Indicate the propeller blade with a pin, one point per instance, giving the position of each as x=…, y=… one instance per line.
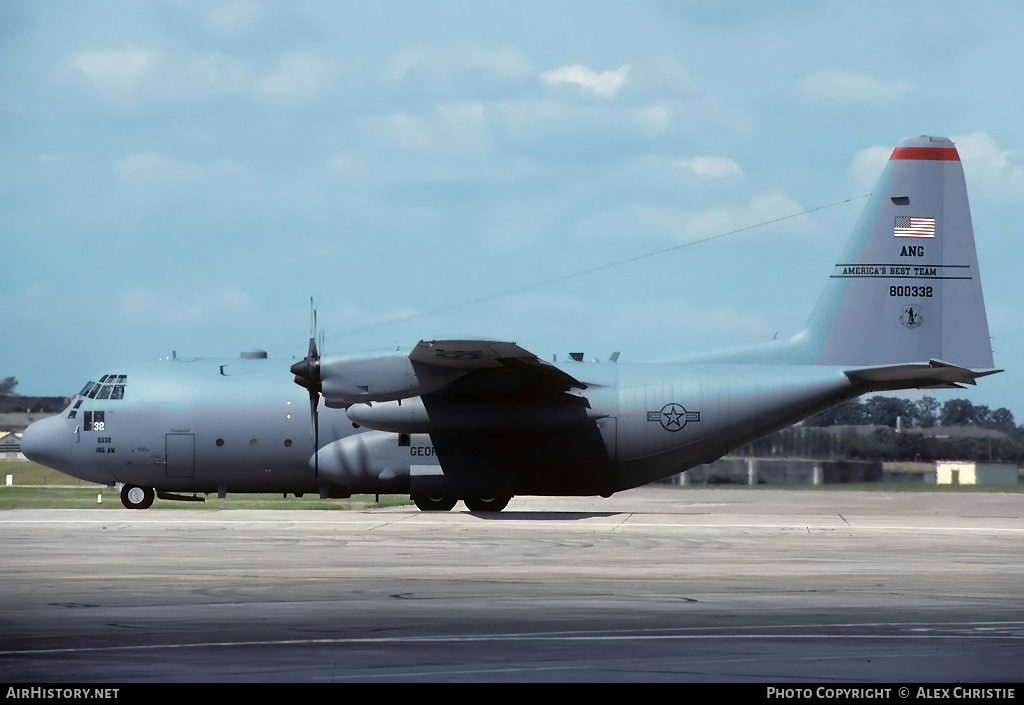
x=307, y=374
x=314, y=401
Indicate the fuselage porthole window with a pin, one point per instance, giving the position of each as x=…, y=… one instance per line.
x=287, y=442
x=220, y=442
x=253, y=443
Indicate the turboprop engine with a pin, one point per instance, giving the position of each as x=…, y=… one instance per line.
x=375, y=459
x=388, y=463
x=459, y=415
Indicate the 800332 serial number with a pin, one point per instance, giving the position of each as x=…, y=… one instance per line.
x=921, y=291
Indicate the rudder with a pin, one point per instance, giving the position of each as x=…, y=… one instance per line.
x=907, y=287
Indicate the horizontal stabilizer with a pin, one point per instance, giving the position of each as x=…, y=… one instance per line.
x=933, y=374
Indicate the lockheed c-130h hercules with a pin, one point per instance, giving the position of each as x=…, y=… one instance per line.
x=481, y=421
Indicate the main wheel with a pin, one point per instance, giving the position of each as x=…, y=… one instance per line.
x=434, y=504
x=135, y=497
x=487, y=504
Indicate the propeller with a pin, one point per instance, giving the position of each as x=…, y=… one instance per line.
x=307, y=374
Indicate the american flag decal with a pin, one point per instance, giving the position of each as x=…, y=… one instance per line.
x=914, y=227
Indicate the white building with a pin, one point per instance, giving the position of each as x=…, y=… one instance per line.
x=959, y=472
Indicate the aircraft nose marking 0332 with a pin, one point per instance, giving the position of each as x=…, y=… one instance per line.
x=673, y=417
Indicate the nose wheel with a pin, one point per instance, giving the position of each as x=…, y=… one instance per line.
x=135, y=497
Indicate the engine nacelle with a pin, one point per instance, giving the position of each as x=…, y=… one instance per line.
x=380, y=379
x=374, y=460
x=467, y=416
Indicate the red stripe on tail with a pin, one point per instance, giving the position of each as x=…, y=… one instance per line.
x=935, y=154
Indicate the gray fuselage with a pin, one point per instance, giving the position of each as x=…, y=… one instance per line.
x=189, y=426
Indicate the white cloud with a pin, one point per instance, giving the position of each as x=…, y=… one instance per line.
x=459, y=128
x=867, y=166
x=153, y=164
x=711, y=167
x=115, y=70
x=850, y=87
x=713, y=326
x=177, y=308
x=233, y=16
x=441, y=63
x=761, y=210
x=212, y=73
x=654, y=119
x=682, y=226
x=989, y=165
x=142, y=73
x=143, y=165
x=605, y=84
x=296, y=75
x=345, y=165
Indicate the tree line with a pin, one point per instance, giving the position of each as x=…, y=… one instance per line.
x=923, y=413
x=815, y=439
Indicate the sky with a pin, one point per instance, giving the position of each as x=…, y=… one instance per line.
x=185, y=176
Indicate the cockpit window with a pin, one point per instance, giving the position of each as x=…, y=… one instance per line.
x=109, y=387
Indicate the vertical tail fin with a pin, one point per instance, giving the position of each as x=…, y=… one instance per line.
x=906, y=288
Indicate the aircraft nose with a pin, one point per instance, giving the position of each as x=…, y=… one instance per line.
x=49, y=442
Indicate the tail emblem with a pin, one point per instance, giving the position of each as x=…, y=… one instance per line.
x=911, y=317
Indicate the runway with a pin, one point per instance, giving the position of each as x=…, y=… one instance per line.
x=649, y=585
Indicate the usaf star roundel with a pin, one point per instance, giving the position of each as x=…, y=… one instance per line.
x=673, y=416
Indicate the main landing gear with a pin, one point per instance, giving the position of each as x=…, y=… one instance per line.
x=474, y=504
x=135, y=497
x=487, y=504
x=434, y=504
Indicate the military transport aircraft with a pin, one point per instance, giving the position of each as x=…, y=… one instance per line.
x=481, y=420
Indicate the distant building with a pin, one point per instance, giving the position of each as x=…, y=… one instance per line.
x=948, y=472
x=10, y=445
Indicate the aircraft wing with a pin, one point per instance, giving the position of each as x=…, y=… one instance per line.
x=477, y=368
x=473, y=355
